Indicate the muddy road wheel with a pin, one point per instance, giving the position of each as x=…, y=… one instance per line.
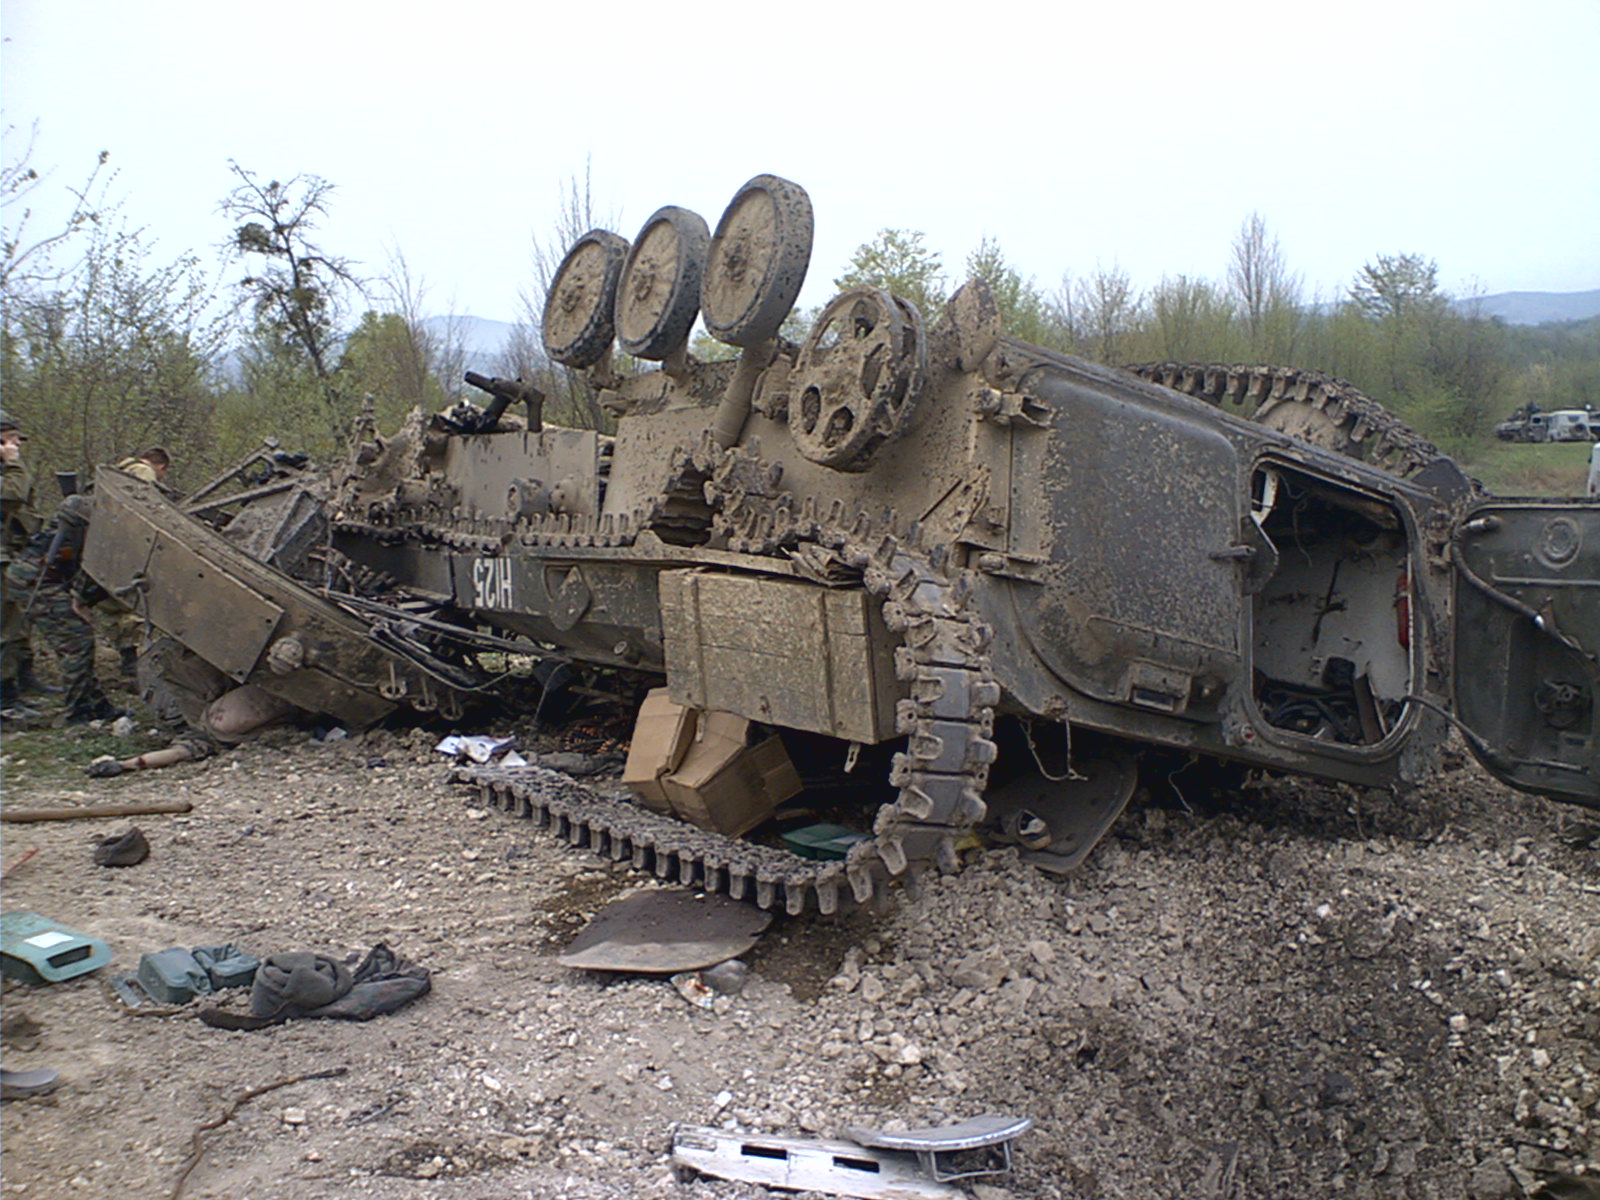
x=578, y=311
x=857, y=378
x=659, y=295
x=758, y=261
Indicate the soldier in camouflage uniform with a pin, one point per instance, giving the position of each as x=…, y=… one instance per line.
x=43, y=576
x=18, y=523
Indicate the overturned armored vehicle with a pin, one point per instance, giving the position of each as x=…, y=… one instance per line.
x=995, y=576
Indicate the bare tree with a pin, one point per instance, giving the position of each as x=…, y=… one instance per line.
x=439, y=350
x=297, y=290
x=1107, y=305
x=1265, y=293
x=572, y=399
x=30, y=262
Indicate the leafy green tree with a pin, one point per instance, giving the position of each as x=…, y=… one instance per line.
x=1191, y=321
x=1024, y=311
x=387, y=357
x=899, y=262
x=105, y=348
x=1398, y=296
x=1396, y=286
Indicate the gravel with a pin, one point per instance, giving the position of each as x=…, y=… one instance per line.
x=1295, y=990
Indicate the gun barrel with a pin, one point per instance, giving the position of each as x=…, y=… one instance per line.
x=505, y=393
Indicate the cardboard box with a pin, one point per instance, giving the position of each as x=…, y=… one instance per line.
x=662, y=734
x=726, y=785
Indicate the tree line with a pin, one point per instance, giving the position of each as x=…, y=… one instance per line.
x=1435, y=359
x=108, y=348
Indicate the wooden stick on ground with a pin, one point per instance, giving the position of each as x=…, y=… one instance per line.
x=95, y=810
x=218, y=1121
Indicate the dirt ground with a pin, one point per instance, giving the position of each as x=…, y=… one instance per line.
x=1295, y=991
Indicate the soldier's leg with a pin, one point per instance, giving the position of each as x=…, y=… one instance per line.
x=16, y=641
x=72, y=639
x=13, y=640
x=17, y=653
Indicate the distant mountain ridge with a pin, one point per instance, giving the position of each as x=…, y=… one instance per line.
x=483, y=340
x=1535, y=308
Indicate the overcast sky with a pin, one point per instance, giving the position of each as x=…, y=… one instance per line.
x=1080, y=136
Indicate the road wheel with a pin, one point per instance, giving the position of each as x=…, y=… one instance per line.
x=579, y=308
x=758, y=261
x=857, y=378
x=659, y=295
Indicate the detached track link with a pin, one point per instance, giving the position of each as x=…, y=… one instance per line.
x=947, y=719
x=1364, y=428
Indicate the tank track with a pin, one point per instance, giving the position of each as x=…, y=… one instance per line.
x=947, y=719
x=1363, y=428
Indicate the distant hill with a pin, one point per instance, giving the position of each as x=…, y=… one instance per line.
x=483, y=339
x=1536, y=308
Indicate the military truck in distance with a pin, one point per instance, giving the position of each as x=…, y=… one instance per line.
x=999, y=575
x=1563, y=425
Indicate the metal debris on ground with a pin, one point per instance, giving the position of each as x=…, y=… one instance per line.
x=805, y=1164
x=979, y=1146
x=478, y=748
x=663, y=931
x=694, y=989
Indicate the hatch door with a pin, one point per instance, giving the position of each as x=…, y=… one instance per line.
x=1527, y=643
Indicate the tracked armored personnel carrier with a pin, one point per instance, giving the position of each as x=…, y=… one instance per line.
x=984, y=577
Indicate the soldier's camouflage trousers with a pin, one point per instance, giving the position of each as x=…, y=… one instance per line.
x=72, y=639
x=15, y=653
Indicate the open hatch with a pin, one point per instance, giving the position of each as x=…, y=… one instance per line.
x=1331, y=619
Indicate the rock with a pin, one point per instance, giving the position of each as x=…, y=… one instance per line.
x=981, y=971
x=1491, y=1181
x=1094, y=993
x=726, y=978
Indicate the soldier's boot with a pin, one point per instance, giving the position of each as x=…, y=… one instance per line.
x=130, y=661
x=95, y=709
x=27, y=681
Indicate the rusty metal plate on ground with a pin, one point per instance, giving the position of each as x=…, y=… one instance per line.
x=662, y=931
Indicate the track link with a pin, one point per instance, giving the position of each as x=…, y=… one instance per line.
x=1356, y=425
x=947, y=719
